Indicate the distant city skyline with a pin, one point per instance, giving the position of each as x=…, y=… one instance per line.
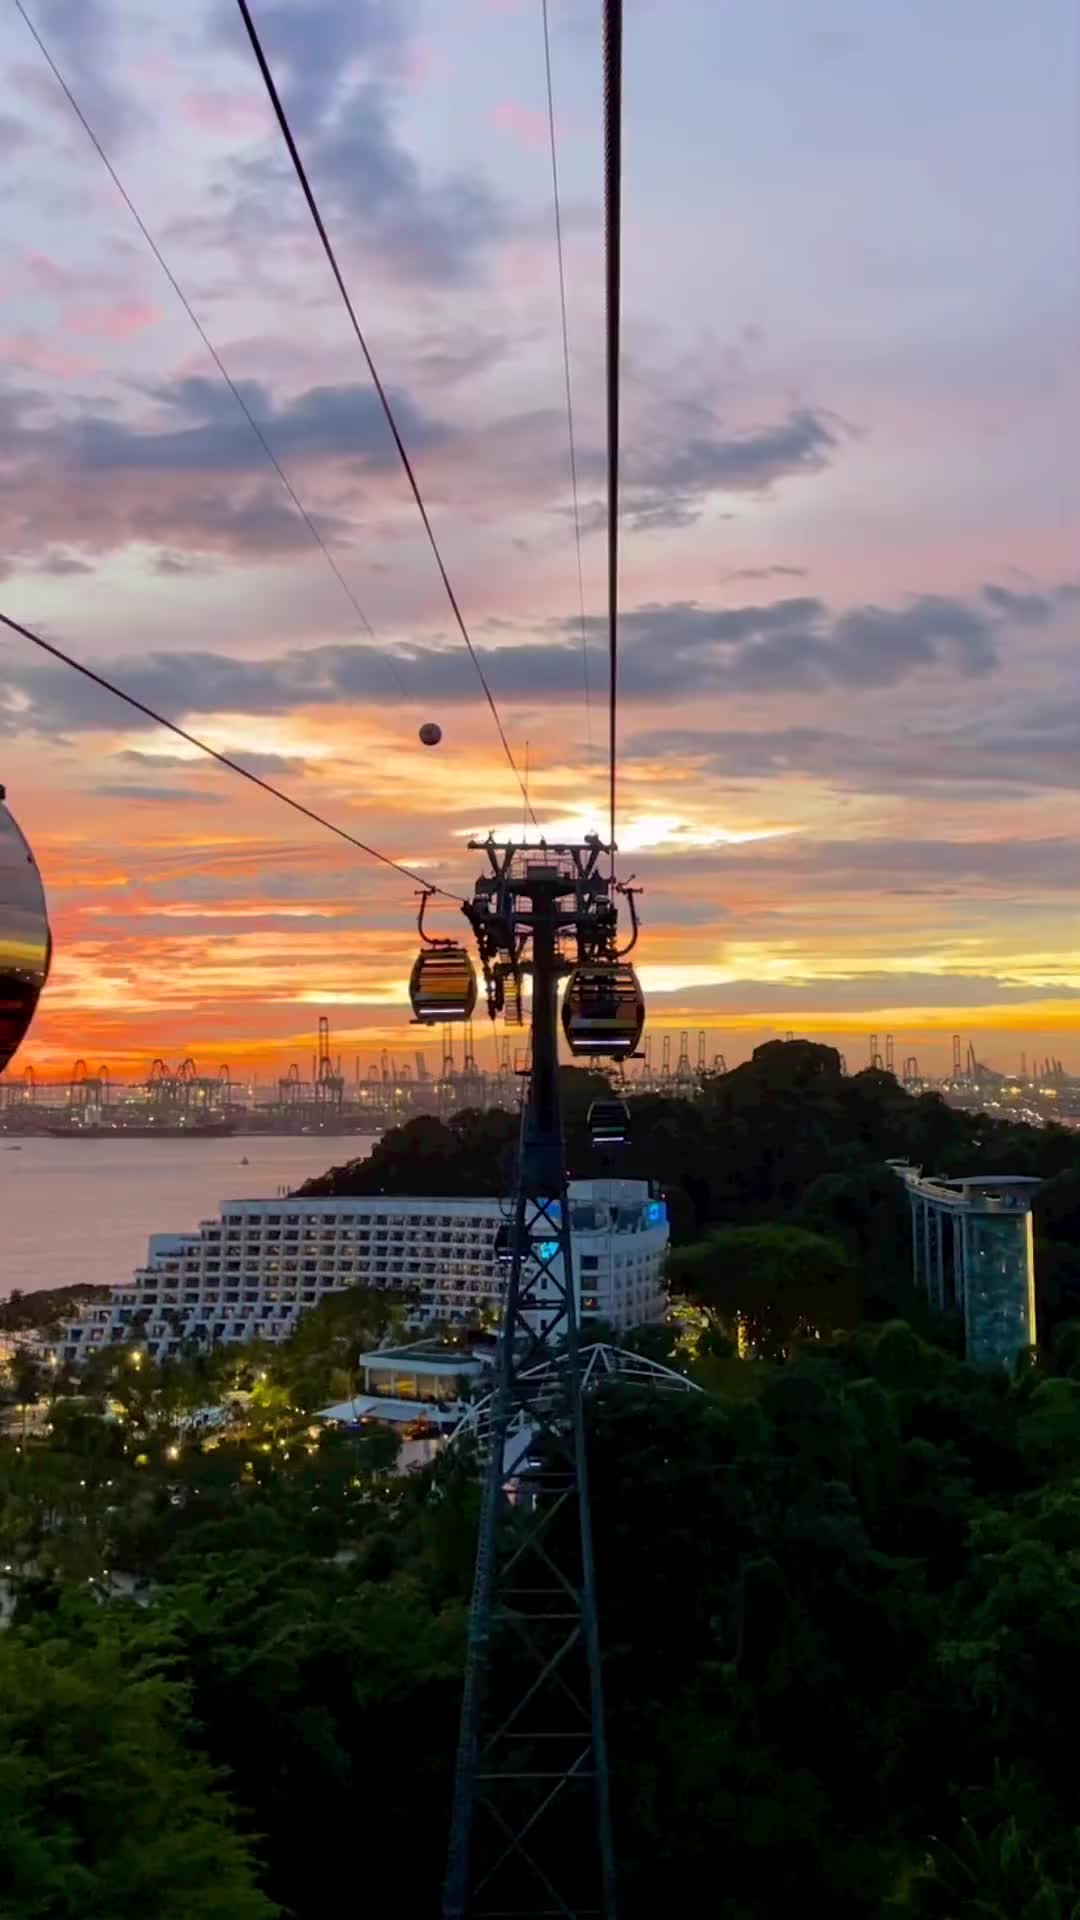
x=849, y=722
x=998, y=1048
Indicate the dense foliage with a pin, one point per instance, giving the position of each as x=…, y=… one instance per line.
x=785, y=1139
x=47, y=1309
x=760, y=1139
x=769, y=1286
x=840, y=1590
x=471, y=1153
x=838, y=1667
x=104, y=1808
x=840, y=1617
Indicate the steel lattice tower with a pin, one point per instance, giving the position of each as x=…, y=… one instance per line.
x=531, y=1828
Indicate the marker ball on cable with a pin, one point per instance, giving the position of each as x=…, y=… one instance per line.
x=430, y=734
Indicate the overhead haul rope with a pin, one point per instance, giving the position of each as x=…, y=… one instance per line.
x=223, y=759
x=613, y=35
x=320, y=228
x=566, y=370
x=215, y=356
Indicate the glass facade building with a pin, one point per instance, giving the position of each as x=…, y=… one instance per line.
x=973, y=1254
x=999, y=1291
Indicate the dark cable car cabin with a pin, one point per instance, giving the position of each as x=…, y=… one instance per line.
x=442, y=985
x=25, y=940
x=609, y=1122
x=603, y=1009
x=504, y=1244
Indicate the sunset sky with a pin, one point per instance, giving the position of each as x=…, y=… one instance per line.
x=850, y=696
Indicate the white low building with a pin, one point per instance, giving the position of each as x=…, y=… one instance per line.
x=422, y=1390
x=254, y=1270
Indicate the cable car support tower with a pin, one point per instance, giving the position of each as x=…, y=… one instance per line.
x=531, y=1827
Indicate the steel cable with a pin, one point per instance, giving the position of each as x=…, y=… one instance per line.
x=613, y=36
x=566, y=370
x=215, y=356
x=223, y=759
x=328, y=249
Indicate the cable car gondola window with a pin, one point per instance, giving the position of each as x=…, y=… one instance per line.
x=603, y=1010
x=25, y=940
x=442, y=985
x=608, y=1123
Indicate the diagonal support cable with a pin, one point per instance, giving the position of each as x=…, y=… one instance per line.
x=384, y=399
x=215, y=356
x=223, y=759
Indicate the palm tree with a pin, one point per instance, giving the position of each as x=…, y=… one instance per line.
x=995, y=1876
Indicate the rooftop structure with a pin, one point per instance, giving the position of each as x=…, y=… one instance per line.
x=422, y=1390
x=430, y=1380
x=448, y=1389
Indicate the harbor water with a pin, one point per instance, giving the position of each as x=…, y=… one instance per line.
x=74, y=1210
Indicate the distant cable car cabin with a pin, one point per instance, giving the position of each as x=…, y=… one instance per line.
x=442, y=985
x=25, y=940
x=603, y=1009
x=609, y=1122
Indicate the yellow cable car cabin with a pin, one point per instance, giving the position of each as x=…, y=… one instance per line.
x=442, y=985
x=603, y=1009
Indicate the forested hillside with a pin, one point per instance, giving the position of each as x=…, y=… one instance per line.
x=786, y=1139
x=839, y=1586
x=839, y=1603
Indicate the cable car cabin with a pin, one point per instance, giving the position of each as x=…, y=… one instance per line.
x=504, y=1244
x=442, y=985
x=603, y=1010
x=25, y=940
x=608, y=1123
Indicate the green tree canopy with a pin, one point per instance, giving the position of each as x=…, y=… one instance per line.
x=105, y=1809
x=772, y=1284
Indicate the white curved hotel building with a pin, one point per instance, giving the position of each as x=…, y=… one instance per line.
x=254, y=1270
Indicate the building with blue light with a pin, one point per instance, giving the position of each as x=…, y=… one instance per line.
x=619, y=1233
x=251, y=1272
x=973, y=1254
